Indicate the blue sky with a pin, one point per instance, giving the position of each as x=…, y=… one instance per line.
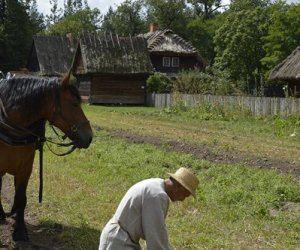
x=102, y=5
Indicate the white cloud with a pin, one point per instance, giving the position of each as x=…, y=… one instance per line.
x=103, y=5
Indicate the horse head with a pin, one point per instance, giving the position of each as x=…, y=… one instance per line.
x=67, y=115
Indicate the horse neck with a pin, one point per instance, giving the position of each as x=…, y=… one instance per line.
x=26, y=119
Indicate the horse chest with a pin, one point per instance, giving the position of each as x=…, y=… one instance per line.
x=16, y=159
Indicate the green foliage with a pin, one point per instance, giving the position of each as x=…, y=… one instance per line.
x=238, y=5
x=283, y=34
x=205, y=8
x=239, y=45
x=159, y=83
x=86, y=20
x=201, y=36
x=73, y=6
x=198, y=82
x=286, y=126
x=169, y=14
x=17, y=28
x=127, y=19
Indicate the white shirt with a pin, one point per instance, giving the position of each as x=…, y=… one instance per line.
x=142, y=213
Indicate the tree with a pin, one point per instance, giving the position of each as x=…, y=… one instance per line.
x=37, y=19
x=239, y=5
x=127, y=19
x=55, y=13
x=238, y=46
x=86, y=20
x=17, y=29
x=169, y=14
x=206, y=8
x=283, y=34
x=72, y=6
x=107, y=23
x=201, y=33
x=2, y=10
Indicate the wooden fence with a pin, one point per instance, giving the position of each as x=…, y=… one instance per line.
x=257, y=105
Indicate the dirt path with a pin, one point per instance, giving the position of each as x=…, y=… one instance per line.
x=213, y=154
x=43, y=238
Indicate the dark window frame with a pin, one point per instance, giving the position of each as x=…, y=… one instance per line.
x=166, y=61
x=175, y=62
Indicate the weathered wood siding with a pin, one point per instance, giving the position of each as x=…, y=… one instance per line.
x=185, y=63
x=257, y=105
x=113, y=89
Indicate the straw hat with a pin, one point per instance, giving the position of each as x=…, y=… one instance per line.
x=187, y=179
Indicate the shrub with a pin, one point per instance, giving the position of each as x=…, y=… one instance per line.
x=197, y=82
x=159, y=83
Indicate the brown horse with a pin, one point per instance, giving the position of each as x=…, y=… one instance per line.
x=26, y=103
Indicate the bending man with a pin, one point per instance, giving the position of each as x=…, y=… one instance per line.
x=142, y=211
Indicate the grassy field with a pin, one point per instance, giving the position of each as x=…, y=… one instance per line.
x=237, y=207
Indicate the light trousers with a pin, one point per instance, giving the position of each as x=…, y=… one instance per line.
x=113, y=237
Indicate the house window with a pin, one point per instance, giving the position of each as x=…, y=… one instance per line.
x=166, y=61
x=175, y=61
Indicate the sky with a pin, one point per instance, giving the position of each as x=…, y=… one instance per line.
x=103, y=5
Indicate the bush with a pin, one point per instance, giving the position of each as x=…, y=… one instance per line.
x=197, y=82
x=159, y=83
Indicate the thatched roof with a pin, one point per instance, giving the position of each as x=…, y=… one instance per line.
x=111, y=54
x=288, y=69
x=167, y=41
x=51, y=55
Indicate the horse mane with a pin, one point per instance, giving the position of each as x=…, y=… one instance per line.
x=26, y=94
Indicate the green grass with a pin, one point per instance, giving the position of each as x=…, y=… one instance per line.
x=254, y=136
x=237, y=207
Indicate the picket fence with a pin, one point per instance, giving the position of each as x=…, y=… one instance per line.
x=257, y=105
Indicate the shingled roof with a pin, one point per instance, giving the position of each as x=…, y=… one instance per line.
x=167, y=41
x=110, y=53
x=51, y=55
x=288, y=69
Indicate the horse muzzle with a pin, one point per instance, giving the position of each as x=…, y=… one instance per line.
x=83, y=139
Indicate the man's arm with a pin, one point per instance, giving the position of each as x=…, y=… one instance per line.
x=154, y=212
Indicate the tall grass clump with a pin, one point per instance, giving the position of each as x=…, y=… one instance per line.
x=208, y=111
x=287, y=125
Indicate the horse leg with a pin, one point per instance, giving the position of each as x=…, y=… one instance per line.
x=2, y=213
x=20, y=201
x=13, y=212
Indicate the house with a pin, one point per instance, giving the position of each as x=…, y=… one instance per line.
x=51, y=55
x=112, y=69
x=169, y=53
x=289, y=71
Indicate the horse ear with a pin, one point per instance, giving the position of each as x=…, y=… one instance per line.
x=66, y=78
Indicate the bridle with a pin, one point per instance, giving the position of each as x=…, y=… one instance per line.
x=73, y=127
